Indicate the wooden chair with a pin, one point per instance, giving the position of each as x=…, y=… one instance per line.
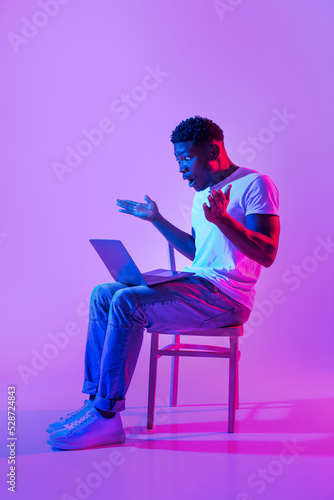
x=177, y=349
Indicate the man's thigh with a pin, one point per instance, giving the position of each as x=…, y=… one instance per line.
x=187, y=304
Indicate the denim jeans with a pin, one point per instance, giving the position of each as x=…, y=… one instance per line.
x=118, y=315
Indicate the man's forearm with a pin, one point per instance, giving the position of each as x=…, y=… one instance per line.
x=183, y=242
x=255, y=245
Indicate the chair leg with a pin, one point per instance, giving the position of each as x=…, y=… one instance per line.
x=174, y=374
x=237, y=383
x=232, y=382
x=152, y=380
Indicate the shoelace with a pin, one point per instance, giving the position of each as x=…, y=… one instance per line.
x=73, y=413
x=82, y=420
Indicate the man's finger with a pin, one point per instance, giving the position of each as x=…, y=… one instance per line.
x=127, y=202
x=227, y=194
x=212, y=200
x=221, y=195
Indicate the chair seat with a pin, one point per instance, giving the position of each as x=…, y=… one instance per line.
x=224, y=331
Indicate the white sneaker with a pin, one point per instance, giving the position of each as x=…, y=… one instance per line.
x=70, y=417
x=90, y=430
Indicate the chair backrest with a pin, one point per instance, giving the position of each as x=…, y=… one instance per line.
x=171, y=257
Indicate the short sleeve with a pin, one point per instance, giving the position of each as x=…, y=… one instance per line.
x=261, y=197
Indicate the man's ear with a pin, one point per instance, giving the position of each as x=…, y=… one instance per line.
x=214, y=152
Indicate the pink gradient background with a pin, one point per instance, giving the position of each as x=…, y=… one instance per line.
x=262, y=55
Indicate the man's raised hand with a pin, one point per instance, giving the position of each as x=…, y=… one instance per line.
x=145, y=211
x=217, y=211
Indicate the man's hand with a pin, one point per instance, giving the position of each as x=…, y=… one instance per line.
x=217, y=211
x=145, y=211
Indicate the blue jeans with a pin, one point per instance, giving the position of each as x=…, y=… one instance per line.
x=118, y=315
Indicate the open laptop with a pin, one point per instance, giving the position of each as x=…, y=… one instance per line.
x=123, y=269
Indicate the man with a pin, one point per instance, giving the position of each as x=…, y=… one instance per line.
x=235, y=232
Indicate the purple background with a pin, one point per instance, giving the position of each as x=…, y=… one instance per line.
x=240, y=68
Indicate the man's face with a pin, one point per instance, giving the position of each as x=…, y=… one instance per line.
x=195, y=161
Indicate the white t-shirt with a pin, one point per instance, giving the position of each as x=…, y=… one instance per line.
x=216, y=258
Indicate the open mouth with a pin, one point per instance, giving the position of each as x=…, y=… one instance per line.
x=191, y=182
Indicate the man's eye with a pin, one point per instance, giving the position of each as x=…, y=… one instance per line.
x=186, y=158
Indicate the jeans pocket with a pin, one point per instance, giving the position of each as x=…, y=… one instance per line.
x=228, y=318
x=210, y=286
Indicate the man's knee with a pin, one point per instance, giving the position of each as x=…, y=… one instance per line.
x=100, y=294
x=125, y=299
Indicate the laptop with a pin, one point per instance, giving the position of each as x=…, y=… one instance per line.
x=123, y=269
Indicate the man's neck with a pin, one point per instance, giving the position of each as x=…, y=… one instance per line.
x=222, y=174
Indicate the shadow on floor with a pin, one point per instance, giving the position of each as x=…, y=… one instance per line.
x=197, y=429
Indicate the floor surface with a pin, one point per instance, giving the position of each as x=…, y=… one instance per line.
x=281, y=449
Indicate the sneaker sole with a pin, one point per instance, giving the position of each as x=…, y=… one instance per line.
x=116, y=438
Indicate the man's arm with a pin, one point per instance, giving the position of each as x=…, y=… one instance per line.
x=258, y=240
x=183, y=242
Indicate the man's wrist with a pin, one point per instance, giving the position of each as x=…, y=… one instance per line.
x=156, y=217
x=225, y=222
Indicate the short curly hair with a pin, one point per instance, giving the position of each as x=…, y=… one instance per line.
x=197, y=130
